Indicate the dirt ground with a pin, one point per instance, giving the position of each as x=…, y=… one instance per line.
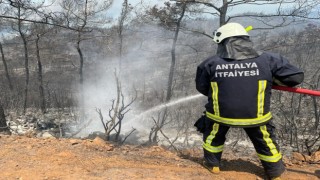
x=27, y=158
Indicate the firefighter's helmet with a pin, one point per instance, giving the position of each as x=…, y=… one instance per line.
x=229, y=30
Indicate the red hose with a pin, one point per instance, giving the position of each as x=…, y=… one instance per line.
x=297, y=90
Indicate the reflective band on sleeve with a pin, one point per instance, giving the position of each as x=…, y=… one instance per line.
x=261, y=95
x=215, y=99
x=240, y=122
x=207, y=144
x=268, y=140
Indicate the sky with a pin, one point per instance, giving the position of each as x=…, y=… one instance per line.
x=115, y=9
x=116, y=6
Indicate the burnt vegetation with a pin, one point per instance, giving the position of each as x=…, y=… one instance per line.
x=148, y=56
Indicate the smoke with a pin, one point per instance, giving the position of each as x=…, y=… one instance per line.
x=144, y=69
x=97, y=93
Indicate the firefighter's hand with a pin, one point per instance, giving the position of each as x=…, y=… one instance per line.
x=278, y=82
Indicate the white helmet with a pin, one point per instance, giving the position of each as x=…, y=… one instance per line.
x=229, y=30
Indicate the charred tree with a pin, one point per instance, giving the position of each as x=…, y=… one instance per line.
x=116, y=113
x=124, y=15
x=170, y=17
x=5, y=67
x=40, y=77
x=26, y=60
x=173, y=53
x=81, y=58
x=4, y=129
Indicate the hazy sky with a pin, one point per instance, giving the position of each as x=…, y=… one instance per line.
x=116, y=6
x=115, y=10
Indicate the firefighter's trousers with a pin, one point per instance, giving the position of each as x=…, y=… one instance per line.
x=262, y=137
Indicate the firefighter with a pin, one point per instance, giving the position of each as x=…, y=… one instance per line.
x=238, y=81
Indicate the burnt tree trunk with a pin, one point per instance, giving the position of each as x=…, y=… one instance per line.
x=223, y=13
x=81, y=59
x=4, y=129
x=26, y=60
x=40, y=79
x=173, y=55
x=5, y=67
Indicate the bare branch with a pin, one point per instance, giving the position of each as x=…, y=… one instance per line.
x=38, y=22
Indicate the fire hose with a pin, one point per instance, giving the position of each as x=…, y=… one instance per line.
x=297, y=90
x=291, y=89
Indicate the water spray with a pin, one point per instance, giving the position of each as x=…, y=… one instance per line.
x=172, y=103
x=140, y=122
x=192, y=97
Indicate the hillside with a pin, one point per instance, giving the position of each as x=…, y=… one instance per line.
x=49, y=158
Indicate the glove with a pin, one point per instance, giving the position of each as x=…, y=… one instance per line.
x=200, y=124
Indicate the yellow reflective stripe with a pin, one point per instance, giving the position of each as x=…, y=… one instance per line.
x=268, y=140
x=240, y=122
x=261, y=95
x=274, y=158
x=215, y=91
x=215, y=129
x=213, y=149
x=207, y=144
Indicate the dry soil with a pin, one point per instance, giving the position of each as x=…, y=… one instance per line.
x=37, y=158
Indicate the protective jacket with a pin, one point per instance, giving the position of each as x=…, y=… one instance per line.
x=239, y=91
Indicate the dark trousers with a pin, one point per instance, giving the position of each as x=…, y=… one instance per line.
x=262, y=137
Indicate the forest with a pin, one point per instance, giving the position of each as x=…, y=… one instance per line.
x=69, y=68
